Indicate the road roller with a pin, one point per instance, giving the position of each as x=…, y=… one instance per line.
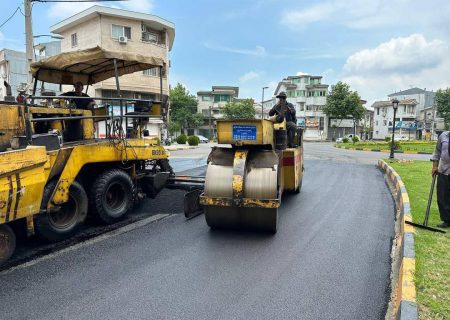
x=245, y=181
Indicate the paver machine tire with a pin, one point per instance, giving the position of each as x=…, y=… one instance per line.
x=62, y=221
x=112, y=195
x=7, y=243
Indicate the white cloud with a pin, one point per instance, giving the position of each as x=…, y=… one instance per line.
x=370, y=14
x=258, y=51
x=67, y=9
x=399, y=55
x=252, y=75
x=144, y=6
x=301, y=73
x=397, y=65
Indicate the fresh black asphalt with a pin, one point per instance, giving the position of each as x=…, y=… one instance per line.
x=329, y=260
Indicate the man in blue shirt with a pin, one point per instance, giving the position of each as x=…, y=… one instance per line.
x=441, y=169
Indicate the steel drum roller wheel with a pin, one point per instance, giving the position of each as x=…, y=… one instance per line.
x=7, y=243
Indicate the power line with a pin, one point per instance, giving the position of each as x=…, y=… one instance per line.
x=77, y=0
x=17, y=9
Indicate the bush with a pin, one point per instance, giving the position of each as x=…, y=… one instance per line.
x=396, y=145
x=181, y=139
x=193, y=140
x=387, y=138
x=355, y=139
x=345, y=140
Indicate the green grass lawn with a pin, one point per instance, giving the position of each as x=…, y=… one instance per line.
x=417, y=146
x=432, y=249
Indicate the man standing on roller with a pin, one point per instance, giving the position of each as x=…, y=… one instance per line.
x=441, y=169
x=288, y=111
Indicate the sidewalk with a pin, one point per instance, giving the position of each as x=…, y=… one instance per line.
x=175, y=147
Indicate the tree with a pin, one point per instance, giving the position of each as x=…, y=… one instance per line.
x=183, y=108
x=173, y=127
x=243, y=109
x=342, y=103
x=442, y=101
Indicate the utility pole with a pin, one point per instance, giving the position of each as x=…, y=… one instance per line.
x=28, y=37
x=210, y=137
x=262, y=102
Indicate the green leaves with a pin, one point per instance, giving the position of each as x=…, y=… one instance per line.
x=183, y=109
x=342, y=103
x=243, y=109
x=443, y=105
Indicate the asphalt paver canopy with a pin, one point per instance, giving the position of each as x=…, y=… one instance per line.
x=90, y=66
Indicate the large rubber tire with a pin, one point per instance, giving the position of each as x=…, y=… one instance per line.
x=7, y=243
x=112, y=195
x=63, y=222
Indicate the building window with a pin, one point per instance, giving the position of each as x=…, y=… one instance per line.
x=378, y=111
x=222, y=98
x=120, y=31
x=306, y=79
x=206, y=98
x=151, y=72
x=150, y=35
x=74, y=39
x=384, y=122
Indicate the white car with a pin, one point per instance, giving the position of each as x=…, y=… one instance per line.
x=203, y=139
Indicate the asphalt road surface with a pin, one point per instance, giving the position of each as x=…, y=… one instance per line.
x=329, y=259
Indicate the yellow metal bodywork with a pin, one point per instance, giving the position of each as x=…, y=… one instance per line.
x=25, y=172
x=292, y=172
x=22, y=180
x=264, y=132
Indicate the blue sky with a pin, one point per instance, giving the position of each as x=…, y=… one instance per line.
x=378, y=47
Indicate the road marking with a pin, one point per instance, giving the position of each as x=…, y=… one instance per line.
x=102, y=237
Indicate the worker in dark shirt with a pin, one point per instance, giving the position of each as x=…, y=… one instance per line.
x=441, y=169
x=85, y=104
x=288, y=111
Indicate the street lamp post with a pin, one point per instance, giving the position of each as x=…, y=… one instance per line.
x=395, y=106
x=262, y=102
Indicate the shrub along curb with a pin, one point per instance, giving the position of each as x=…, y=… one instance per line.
x=386, y=151
x=402, y=304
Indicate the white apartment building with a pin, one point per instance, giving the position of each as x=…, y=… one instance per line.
x=308, y=95
x=121, y=30
x=416, y=113
x=211, y=103
x=405, y=119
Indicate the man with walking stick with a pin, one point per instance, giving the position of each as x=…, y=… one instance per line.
x=441, y=169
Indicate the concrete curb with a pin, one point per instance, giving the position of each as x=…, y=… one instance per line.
x=402, y=305
x=175, y=148
x=384, y=151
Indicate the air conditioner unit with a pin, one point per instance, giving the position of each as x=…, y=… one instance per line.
x=123, y=39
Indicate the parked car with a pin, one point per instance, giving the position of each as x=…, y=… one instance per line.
x=203, y=139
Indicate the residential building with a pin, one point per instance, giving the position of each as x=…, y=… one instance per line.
x=210, y=104
x=405, y=119
x=13, y=68
x=416, y=115
x=308, y=95
x=122, y=31
x=363, y=128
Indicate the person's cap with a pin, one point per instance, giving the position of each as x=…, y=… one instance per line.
x=281, y=95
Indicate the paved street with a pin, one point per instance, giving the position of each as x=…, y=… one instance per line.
x=329, y=259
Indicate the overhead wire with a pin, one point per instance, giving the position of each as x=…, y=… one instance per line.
x=14, y=13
